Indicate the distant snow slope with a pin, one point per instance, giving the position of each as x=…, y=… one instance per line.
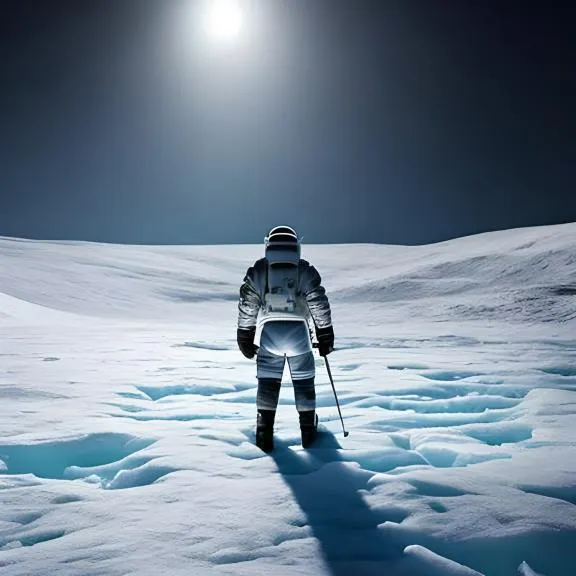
x=127, y=414
x=527, y=274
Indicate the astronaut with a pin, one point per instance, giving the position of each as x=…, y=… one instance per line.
x=283, y=301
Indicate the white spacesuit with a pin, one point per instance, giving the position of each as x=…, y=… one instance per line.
x=281, y=300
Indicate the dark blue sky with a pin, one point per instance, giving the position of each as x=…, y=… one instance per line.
x=406, y=121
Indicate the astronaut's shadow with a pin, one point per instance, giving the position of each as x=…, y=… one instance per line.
x=327, y=490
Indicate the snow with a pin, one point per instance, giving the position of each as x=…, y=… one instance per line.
x=127, y=413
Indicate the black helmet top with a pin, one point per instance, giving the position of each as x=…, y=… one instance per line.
x=282, y=235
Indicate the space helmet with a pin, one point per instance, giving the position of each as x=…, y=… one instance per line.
x=282, y=242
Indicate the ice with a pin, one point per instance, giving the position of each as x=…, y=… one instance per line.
x=127, y=414
x=427, y=562
x=54, y=459
x=525, y=570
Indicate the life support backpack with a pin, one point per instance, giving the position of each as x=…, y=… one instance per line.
x=282, y=280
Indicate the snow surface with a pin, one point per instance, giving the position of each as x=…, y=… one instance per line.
x=127, y=414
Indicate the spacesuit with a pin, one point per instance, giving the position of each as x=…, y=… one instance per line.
x=282, y=300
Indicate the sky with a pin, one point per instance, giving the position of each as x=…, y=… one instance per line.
x=388, y=121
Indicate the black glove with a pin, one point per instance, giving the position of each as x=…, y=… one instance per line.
x=325, y=337
x=245, y=337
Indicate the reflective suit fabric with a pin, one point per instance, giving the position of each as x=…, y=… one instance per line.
x=284, y=337
x=311, y=294
x=281, y=340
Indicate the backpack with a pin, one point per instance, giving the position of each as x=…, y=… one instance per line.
x=282, y=278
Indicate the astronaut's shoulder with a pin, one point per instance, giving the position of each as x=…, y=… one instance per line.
x=257, y=268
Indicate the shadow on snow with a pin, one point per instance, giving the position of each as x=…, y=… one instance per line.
x=327, y=489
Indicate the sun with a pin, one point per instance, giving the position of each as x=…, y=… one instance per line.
x=223, y=20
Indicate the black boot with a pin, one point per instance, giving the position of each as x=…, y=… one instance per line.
x=308, y=427
x=265, y=430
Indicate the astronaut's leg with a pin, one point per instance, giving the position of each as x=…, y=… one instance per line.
x=303, y=371
x=266, y=403
x=304, y=395
x=269, y=373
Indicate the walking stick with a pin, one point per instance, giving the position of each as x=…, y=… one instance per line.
x=335, y=395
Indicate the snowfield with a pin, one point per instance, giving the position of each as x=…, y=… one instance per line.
x=127, y=414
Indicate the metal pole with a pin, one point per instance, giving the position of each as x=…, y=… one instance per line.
x=335, y=395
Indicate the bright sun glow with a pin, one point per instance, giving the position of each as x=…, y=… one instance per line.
x=223, y=19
